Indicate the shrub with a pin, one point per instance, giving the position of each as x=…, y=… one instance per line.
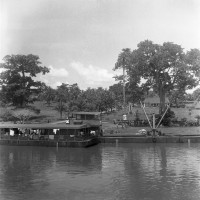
x=168, y=118
x=198, y=119
x=7, y=115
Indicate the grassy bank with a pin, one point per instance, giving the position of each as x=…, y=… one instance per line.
x=50, y=114
x=114, y=130
x=179, y=113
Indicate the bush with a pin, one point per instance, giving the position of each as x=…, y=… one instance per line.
x=7, y=115
x=2, y=104
x=34, y=109
x=168, y=118
x=198, y=120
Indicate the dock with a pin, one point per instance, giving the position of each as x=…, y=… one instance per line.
x=150, y=139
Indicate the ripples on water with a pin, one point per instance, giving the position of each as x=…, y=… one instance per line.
x=107, y=171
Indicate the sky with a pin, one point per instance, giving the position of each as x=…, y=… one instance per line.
x=80, y=40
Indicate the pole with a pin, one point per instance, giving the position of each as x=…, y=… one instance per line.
x=154, y=121
x=145, y=114
x=124, y=97
x=162, y=117
x=154, y=125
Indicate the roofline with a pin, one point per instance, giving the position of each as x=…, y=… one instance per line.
x=44, y=126
x=87, y=113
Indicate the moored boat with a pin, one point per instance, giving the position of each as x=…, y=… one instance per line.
x=76, y=132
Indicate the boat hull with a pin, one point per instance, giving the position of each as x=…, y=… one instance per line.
x=51, y=143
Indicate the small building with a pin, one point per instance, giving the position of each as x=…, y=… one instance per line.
x=154, y=101
x=197, y=105
x=188, y=104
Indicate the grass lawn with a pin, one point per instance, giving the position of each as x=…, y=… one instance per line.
x=47, y=113
x=114, y=130
x=111, y=129
x=179, y=113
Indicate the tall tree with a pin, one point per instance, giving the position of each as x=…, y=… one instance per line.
x=80, y=103
x=164, y=68
x=62, y=97
x=108, y=100
x=133, y=91
x=74, y=97
x=91, y=99
x=117, y=90
x=17, y=80
x=47, y=94
x=124, y=62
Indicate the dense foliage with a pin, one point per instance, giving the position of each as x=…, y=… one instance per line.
x=163, y=68
x=17, y=81
x=150, y=69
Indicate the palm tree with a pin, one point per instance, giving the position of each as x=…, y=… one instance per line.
x=48, y=94
x=62, y=96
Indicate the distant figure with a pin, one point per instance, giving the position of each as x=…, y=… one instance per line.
x=124, y=121
x=12, y=132
x=82, y=133
x=93, y=133
x=67, y=121
x=136, y=114
x=124, y=117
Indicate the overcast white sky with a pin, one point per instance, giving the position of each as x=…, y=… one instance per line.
x=80, y=39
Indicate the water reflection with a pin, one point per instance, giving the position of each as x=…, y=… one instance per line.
x=109, y=171
x=155, y=171
x=24, y=170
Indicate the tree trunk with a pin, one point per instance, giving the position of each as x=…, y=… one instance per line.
x=61, y=109
x=176, y=102
x=23, y=87
x=162, y=100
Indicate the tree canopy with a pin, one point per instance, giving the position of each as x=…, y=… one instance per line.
x=47, y=94
x=162, y=68
x=17, y=80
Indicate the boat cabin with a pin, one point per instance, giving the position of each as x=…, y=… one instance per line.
x=80, y=126
x=47, y=131
x=96, y=116
x=92, y=119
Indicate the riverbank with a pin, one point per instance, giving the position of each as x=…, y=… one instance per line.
x=115, y=134
x=114, y=130
x=149, y=139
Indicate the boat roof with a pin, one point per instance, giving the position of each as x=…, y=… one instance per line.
x=45, y=126
x=87, y=113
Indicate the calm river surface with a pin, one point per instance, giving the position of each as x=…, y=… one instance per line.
x=106, y=171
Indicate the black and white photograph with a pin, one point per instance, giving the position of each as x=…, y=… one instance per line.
x=99, y=99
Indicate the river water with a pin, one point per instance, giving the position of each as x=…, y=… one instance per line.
x=106, y=171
